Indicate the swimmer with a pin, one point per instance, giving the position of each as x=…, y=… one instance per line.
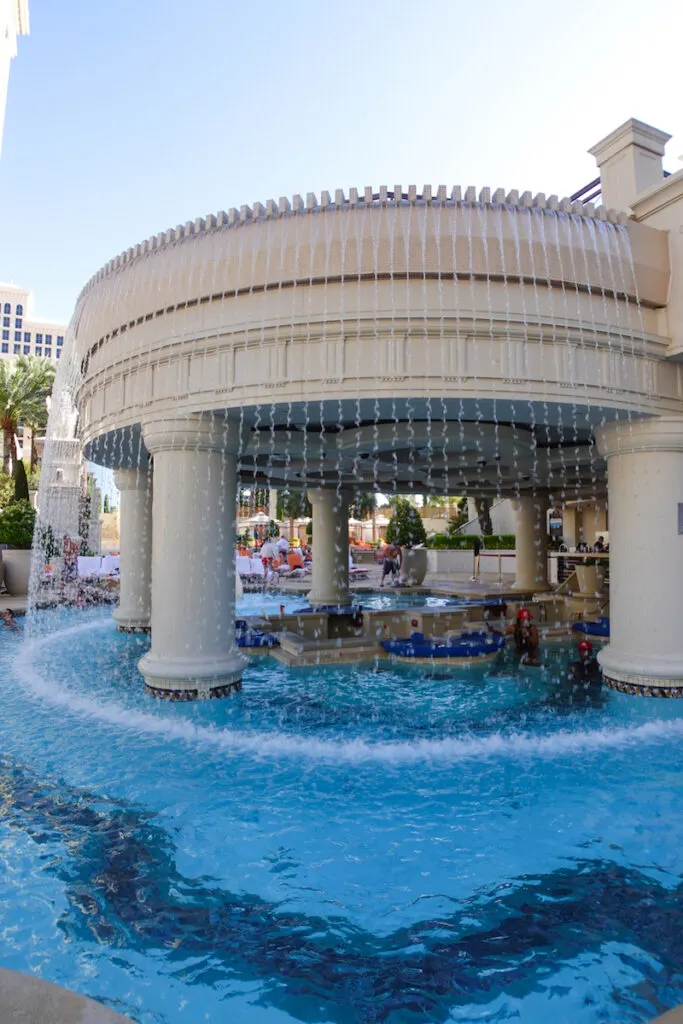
x=8, y=619
x=525, y=634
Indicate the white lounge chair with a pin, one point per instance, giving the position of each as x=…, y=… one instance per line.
x=257, y=567
x=111, y=565
x=89, y=566
x=243, y=565
x=354, y=572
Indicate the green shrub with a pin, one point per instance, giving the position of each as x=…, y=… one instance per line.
x=16, y=525
x=405, y=526
x=494, y=542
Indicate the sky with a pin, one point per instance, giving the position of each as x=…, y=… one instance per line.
x=127, y=117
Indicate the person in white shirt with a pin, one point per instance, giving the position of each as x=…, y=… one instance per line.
x=283, y=546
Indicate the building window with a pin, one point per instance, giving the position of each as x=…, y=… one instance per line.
x=39, y=339
x=58, y=353
x=5, y=335
x=39, y=350
x=27, y=336
x=17, y=322
x=20, y=310
x=60, y=339
x=7, y=309
x=5, y=321
x=48, y=339
x=5, y=347
x=17, y=335
x=48, y=353
x=17, y=350
x=27, y=350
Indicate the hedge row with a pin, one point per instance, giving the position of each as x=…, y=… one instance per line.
x=495, y=542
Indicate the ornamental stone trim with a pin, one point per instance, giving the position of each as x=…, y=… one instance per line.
x=200, y=432
x=638, y=686
x=659, y=434
x=235, y=219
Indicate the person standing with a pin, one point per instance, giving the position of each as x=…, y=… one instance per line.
x=391, y=562
x=476, y=556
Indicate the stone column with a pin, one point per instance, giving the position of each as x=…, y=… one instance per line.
x=531, y=543
x=645, y=487
x=135, y=600
x=330, y=546
x=193, y=558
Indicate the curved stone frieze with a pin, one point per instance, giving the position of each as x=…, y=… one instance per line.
x=474, y=304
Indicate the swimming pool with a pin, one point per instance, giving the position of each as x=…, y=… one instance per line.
x=364, y=843
x=268, y=602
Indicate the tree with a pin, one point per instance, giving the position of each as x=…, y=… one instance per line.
x=405, y=526
x=20, y=482
x=25, y=386
x=106, y=508
x=363, y=505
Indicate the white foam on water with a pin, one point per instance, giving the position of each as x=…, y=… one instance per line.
x=517, y=746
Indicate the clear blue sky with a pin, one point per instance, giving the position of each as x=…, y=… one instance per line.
x=126, y=117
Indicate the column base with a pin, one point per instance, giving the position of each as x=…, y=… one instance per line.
x=131, y=623
x=641, y=677
x=192, y=679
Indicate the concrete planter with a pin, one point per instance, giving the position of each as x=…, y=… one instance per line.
x=447, y=560
x=17, y=565
x=414, y=566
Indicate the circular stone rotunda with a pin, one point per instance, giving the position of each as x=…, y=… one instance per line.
x=486, y=343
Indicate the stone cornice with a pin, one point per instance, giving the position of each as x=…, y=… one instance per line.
x=199, y=432
x=624, y=437
x=367, y=199
x=658, y=197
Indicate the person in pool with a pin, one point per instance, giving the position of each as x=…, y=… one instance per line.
x=525, y=634
x=586, y=670
x=8, y=619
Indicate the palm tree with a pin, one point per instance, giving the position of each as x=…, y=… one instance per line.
x=25, y=386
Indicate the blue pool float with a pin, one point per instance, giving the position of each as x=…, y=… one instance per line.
x=600, y=627
x=248, y=636
x=474, y=644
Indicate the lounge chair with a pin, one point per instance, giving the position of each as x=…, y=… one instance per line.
x=354, y=572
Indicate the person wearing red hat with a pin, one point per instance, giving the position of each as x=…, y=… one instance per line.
x=526, y=637
x=586, y=670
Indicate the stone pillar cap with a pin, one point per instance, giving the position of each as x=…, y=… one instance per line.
x=133, y=479
x=659, y=434
x=630, y=133
x=199, y=432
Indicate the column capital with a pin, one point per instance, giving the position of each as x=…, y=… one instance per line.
x=199, y=432
x=626, y=437
x=132, y=479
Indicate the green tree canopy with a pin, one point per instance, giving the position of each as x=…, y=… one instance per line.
x=25, y=386
x=363, y=505
x=405, y=526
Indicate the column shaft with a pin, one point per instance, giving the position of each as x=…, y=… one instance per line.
x=135, y=524
x=531, y=544
x=193, y=582
x=645, y=483
x=330, y=547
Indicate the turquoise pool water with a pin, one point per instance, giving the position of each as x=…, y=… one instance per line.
x=348, y=844
x=268, y=602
